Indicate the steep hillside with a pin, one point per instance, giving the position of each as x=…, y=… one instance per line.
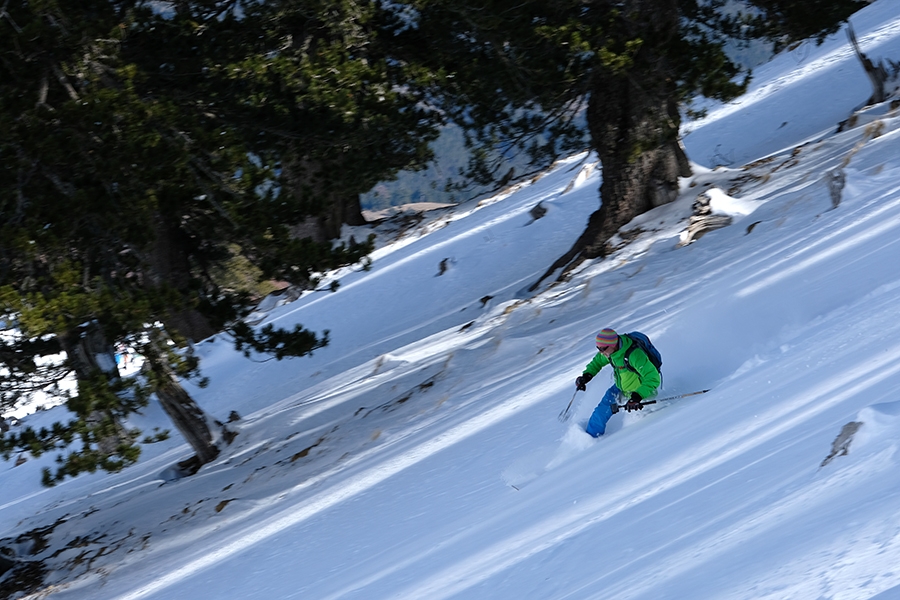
x=420, y=455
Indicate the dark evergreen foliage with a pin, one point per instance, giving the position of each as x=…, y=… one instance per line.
x=515, y=74
x=140, y=151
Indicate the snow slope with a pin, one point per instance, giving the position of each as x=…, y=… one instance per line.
x=419, y=456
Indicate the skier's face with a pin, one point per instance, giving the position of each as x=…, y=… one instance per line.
x=606, y=350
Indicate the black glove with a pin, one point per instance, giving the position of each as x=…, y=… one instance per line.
x=582, y=380
x=634, y=403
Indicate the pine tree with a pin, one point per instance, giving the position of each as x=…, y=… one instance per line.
x=516, y=73
x=139, y=152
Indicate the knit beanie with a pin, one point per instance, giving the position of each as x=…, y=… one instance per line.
x=607, y=337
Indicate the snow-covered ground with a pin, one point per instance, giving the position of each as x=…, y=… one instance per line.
x=419, y=456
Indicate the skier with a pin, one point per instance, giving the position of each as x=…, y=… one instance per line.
x=636, y=378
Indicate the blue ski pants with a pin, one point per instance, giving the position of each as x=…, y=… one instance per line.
x=597, y=423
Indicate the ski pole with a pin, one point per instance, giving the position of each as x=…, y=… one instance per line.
x=673, y=397
x=564, y=415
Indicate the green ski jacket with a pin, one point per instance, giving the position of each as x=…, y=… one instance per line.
x=642, y=377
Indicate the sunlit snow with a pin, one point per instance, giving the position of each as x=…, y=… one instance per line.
x=419, y=455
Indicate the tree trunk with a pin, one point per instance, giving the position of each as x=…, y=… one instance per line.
x=327, y=226
x=186, y=414
x=195, y=425
x=878, y=74
x=170, y=265
x=633, y=121
x=90, y=354
x=333, y=206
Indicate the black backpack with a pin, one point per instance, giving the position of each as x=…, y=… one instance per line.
x=641, y=341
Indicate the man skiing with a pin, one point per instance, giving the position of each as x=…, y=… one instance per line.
x=636, y=377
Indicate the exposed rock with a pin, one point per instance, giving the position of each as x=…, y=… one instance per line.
x=841, y=445
x=703, y=220
x=538, y=211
